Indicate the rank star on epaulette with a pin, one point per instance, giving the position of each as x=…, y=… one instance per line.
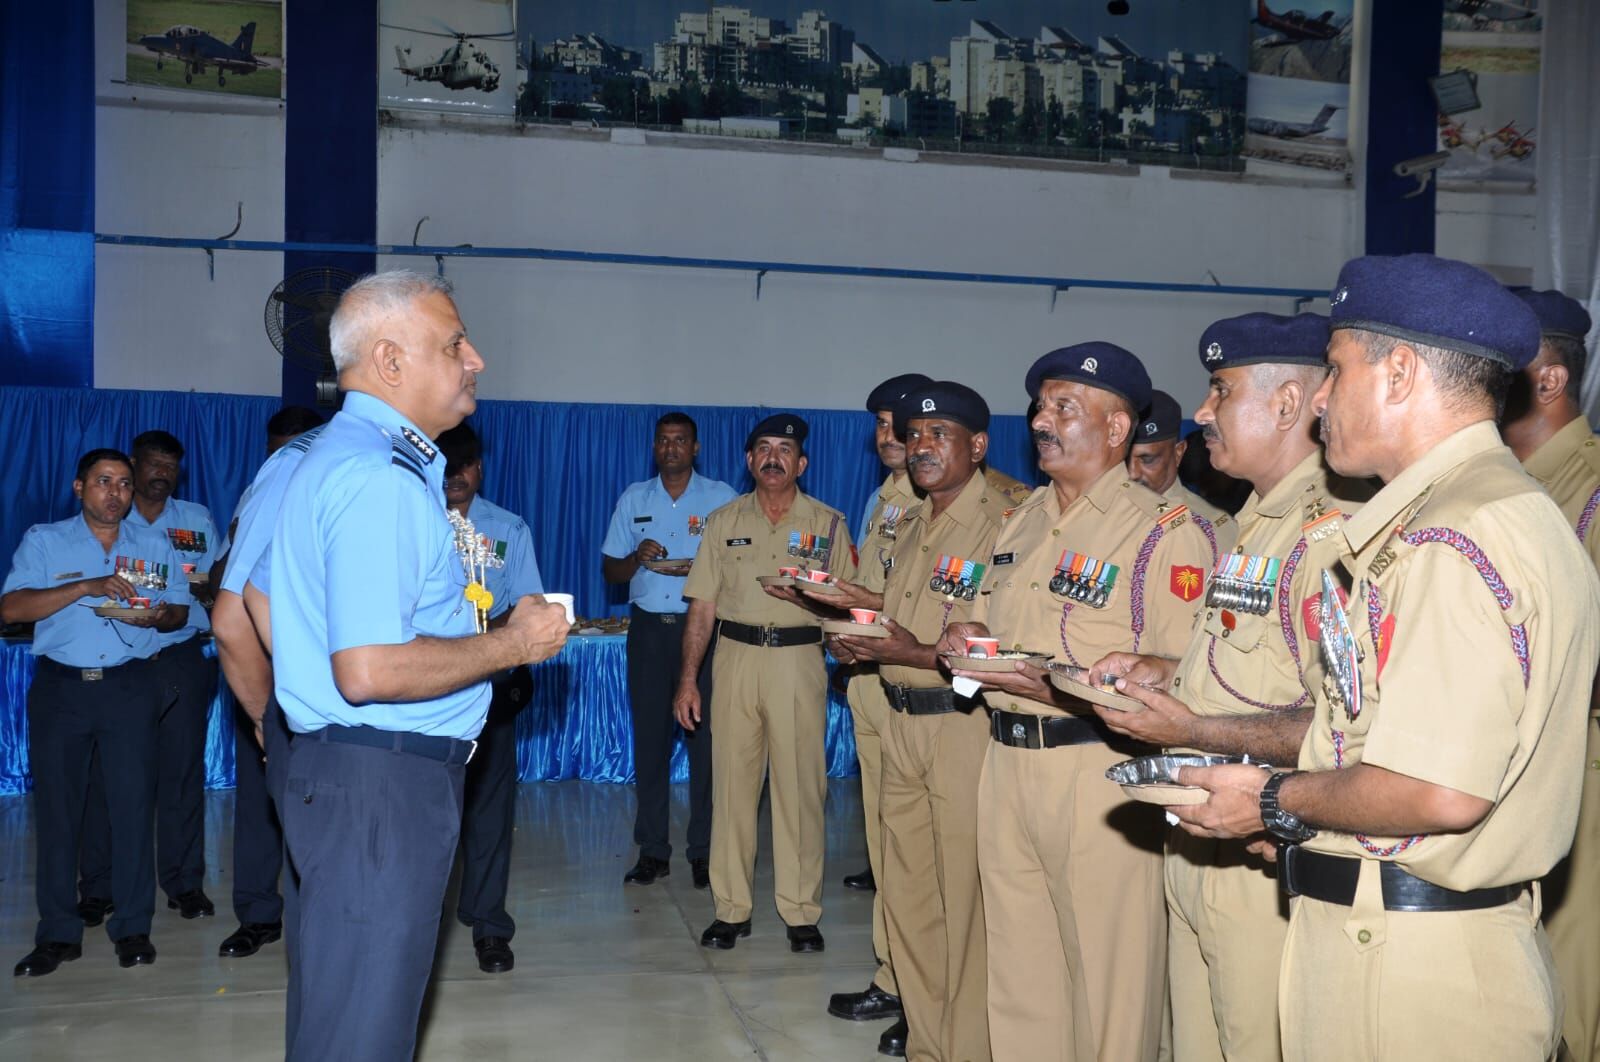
x=419, y=443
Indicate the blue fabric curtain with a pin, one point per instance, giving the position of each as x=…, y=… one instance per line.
x=562, y=466
x=47, y=194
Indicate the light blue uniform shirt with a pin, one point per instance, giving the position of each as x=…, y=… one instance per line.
x=363, y=554
x=67, y=551
x=193, y=534
x=507, y=536
x=258, y=511
x=646, y=510
x=865, y=525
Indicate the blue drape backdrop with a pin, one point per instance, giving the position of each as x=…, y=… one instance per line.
x=561, y=466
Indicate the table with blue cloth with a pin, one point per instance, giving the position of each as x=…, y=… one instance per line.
x=576, y=727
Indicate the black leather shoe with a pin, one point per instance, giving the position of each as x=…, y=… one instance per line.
x=724, y=935
x=249, y=938
x=870, y=1005
x=193, y=904
x=494, y=954
x=863, y=881
x=804, y=938
x=135, y=951
x=646, y=871
x=701, y=869
x=893, y=1040
x=93, y=910
x=44, y=958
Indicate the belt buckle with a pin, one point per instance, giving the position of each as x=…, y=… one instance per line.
x=769, y=637
x=1288, y=858
x=92, y=674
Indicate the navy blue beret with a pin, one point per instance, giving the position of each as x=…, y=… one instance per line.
x=1265, y=338
x=945, y=399
x=782, y=425
x=1103, y=365
x=1438, y=302
x=1161, y=421
x=888, y=394
x=1559, y=315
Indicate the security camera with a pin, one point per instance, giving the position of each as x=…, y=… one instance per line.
x=1421, y=168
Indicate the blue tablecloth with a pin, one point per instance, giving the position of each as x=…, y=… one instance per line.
x=576, y=727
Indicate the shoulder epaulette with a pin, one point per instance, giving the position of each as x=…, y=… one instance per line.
x=303, y=441
x=420, y=444
x=402, y=456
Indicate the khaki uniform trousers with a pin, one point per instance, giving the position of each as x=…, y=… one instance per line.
x=1072, y=899
x=771, y=712
x=931, y=767
x=869, y=709
x=1572, y=917
x=1226, y=921
x=1423, y=985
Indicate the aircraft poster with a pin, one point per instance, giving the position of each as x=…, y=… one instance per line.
x=447, y=55
x=1299, y=96
x=205, y=46
x=1498, y=40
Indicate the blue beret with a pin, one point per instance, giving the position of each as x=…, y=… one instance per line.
x=945, y=399
x=1559, y=315
x=1161, y=421
x=888, y=394
x=1265, y=338
x=1438, y=302
x=1103, y=365
x=782, y=425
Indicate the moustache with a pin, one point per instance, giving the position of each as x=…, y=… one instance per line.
x=1323, y=430
x=920, y=460
x=772, y=466
x=1040, y=438
x=1209, y=434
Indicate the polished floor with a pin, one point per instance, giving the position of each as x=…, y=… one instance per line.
x=603, y=971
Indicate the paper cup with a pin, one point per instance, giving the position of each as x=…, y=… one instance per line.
x=138, y=602
x=863, y=615
x=565, y=601
x=188, y=569
x=817, y=575
x=789, y=573
x=983, y=647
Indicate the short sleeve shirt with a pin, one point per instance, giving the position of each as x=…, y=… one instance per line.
x=258, y=510
x=938, y=566
x=1220, y=529
x=1476, y=622
x=363, y=554
x=740, y=543
x=647, y=510
x=1144, y=557
x=193, y=534
x=513, y=570
x=66, y=551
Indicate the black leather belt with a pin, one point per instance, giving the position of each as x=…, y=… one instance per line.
x=644, y=615
x=1332, y=879
x=1021, y=731
x=771, y=637
x=87, y=674
x=912, y=701
x=446, y=750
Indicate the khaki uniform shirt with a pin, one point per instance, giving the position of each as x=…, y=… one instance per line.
x=1243, y=660
x=740, y=543
x=1568, y=467
x=1476, y=615
x=964, y=532
x=1220, y=529
x=1161, y=556
x=1014, y=491
x=883, y=528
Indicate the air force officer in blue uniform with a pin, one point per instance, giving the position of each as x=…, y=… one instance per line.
x=379, y=669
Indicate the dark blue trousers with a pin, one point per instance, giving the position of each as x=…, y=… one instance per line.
x=372, y=833
x=191, y=681
x=257, y=835
x=491, y=802
x=655, y=654
x=112, y=723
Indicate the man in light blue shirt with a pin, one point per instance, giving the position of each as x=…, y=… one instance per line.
x=380, y=668
x=655, y=520
x=96, y=690
x=181, y=767
x=511, y=573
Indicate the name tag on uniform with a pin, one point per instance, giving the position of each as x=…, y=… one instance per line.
x=1004, y=558
x=738, y=541
x=67, y=575
x=643, y=519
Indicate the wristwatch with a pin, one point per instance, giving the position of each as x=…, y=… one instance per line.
x=1279, y=822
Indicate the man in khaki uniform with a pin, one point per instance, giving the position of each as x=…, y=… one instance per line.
x=1071, y=870
x=1153, y=460
x=769, y=686
x=1243, y=685
x=1441, y=774
x=935, y=741
x=1546, y=429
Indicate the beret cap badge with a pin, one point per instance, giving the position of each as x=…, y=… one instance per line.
x=1090, y=365
x=1214, y=352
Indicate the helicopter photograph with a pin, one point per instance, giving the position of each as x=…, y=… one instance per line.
x=450, y=56
x=204, y=46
